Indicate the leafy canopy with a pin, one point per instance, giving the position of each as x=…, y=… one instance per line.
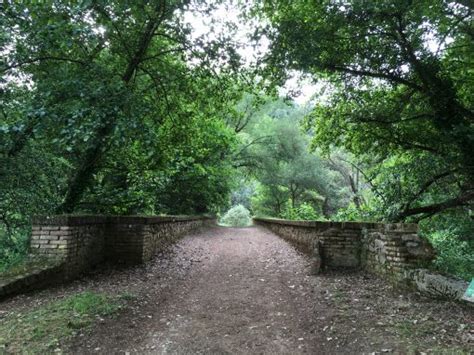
x=400, y=91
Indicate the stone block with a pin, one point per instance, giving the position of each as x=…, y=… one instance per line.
x=50, y=228
x=42, y=241
x=61, y=233
x=66, y=237
x=49, y=246
x=437, y=285
x=410, y=237
x=58, y=242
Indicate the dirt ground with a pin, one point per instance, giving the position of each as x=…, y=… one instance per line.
x=246, y=291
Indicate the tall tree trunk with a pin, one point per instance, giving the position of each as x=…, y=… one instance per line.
x=450, y=115
x=325, y=208
x=94, y=154
x=293, y=196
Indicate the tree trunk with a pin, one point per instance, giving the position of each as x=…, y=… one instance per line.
x=94, y=154
x=429, y=210
x=325, y=207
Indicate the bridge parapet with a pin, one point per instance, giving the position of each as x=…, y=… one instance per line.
x=379, y=247
x=72, y=244
x=87, y=240
x=394, y=251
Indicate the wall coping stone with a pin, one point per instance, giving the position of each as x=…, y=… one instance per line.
x=403, y=227
x=153, y=219
x=77, y=220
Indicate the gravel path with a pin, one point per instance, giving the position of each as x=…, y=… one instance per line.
x=246, y=291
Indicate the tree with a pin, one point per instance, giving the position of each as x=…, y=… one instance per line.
x=98, y=73
x=288, y=174
x=401, y=90
x=113, y=107
x=237, y=216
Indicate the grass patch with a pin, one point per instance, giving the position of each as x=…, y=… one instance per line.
x=44, y=328
x=420, y=332
x=410, y=330
x=27, y=265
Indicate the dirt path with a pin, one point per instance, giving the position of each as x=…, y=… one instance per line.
x=241, y=291
x=247, y=295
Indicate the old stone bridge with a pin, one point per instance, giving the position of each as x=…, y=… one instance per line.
x=324, y=287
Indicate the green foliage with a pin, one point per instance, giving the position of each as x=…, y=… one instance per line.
x=268, y=200
x=451, y=235
x=365, y=213
x=112, y=107
x=30, y=185
x=399, y=102
x=13, y=247
x=398, y=98
x=237, y=216
x=454, y=256
x=304, y=212
x=42, y=329
x=243, y=193
x=275, y=152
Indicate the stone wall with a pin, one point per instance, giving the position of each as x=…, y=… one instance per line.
x=339, y=243
x=394, y=251
x=134, y=240
x=75, y=244
x=38, y=272
x=77, y=240
x=88, y=240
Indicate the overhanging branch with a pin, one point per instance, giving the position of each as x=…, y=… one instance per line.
x=367, y=73
x=429, y=210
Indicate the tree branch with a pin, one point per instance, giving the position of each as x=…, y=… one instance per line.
x=45, y=58
x=426, y=186
x=366, y=73
x=429, y=210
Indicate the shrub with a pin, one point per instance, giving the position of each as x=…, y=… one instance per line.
x=365, y=213
x=454, y=256
x=237, y=216
x=13, y=246
x=304, y=212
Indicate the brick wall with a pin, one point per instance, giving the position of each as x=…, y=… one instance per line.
x=339, y=242
x=88, y=240
x=77, y=240
x=80, y=242
x=391, y=250
x=63, y=247
x=394, y=251
x=134, y=240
